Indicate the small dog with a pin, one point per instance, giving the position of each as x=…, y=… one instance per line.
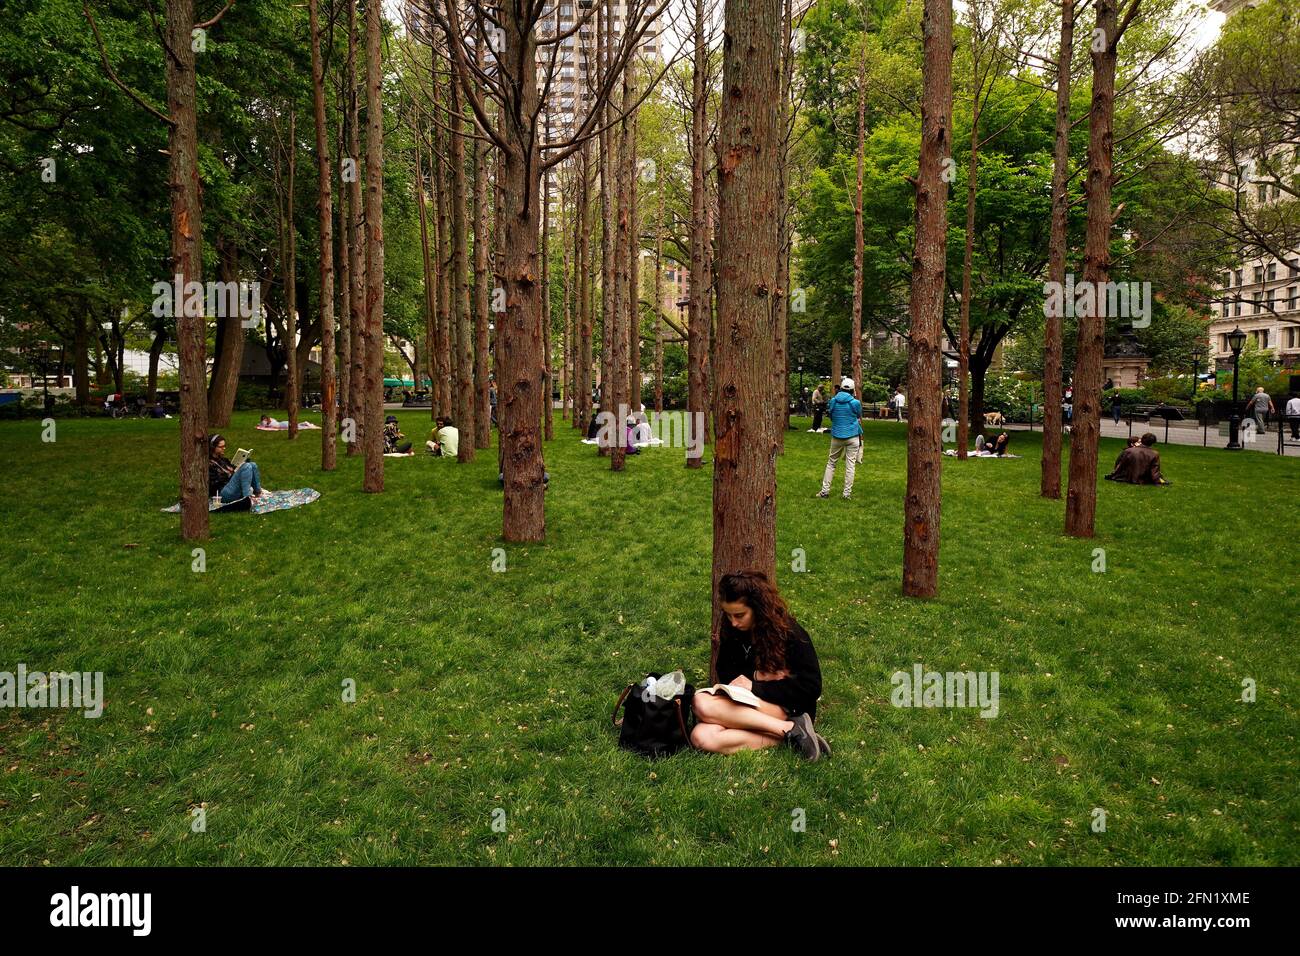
x=993, y=418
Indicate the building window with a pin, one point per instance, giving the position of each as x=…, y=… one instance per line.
x=1293, y=303
x=1272, y=271
x=1223, y=342
x=1262, y=192
x=1294, y=266
x=1259, y=302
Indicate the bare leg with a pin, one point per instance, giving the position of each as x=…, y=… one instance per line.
x=716, y=709
x=725, y=740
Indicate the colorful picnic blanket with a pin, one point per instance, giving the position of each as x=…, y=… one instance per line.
x=269, y=501
x=284, y=427
x=952, y=453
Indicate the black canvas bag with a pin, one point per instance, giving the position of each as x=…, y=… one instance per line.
x=653, y=727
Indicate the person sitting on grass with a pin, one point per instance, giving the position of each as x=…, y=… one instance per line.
x=998, y=447
x=1139, y=464
x=393, y=444
x=765, y=651
x=629, y=435
x=593, y=427
x=445, y=440
x=225, y=479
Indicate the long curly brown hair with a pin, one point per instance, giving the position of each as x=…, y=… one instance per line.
x=773, y=624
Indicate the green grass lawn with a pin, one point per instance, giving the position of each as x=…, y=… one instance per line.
x=479, y=690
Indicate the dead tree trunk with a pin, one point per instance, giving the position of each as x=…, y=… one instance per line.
x=1056, y=251
x=373, y=437
x=699, y=331
x=356, y=250
x=749, y=153
x=464, y=363
x=187, y=265
x=1085, y=431
x=921, y=505
x=325, y=207
x=482, y=296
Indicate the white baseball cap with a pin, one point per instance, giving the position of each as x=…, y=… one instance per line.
x=847, y=383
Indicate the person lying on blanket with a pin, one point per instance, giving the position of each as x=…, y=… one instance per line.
x=997, y=447
x=268, y=422
x=225, y=479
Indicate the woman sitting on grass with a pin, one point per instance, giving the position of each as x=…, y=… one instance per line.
x=393, y=438
x=765, y=651
x=225, y=479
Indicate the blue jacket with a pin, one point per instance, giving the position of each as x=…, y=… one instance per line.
x=845, y=412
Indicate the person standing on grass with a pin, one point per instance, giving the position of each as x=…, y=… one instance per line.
x=818, y=408
x=1293, y=415
x=764, y=650
x=899, y=403
x=846, y=435
x=1260, y=405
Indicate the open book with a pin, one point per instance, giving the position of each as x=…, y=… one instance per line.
x=738, y=694
x=241, y=456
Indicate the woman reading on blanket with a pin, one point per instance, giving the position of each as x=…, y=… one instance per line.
x=764, y=650
x=225, y=479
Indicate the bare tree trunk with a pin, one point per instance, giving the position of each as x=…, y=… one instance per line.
x=519, y=342
x=1085, y=431
x=445, y=258
x=325, y=206
x=81, y=355
x=749, y=152
x=836, y=365
x=921, y=505
x=228, y=345
x=482, y=295
x=358, y=394
x=658, y=305
x=855, y=344
x=634, y=267
x=1052, y=345
x=699, y=330
x=780, y=300
x=566, y=318
x=548, y=366
x=373, y=438
x=290, y=262
x=582, y=363
x=344, y=343
x=430, y=282
x=968, y=258
x=463, y=337
x=608, y=281
x=618, y=387
x=187, y=266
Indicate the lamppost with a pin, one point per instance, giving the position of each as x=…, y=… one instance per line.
x=1236, y=342
x=1197, y=354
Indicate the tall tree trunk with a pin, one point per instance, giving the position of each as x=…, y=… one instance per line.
x=519, y=341
x=608, y=280
x=187, y=266
x=293, y=384
x=344, y=341
x=855, y=344
x=548, y=388
x=749, y=177
x=634, y=267
x=780, y=300
x=619, y=380
x=81, y=356
x=445, y=257
x=699, y=330
x=464, y=354
x=325, y=208
x=373, y=439
x=658, y=306
x=482, y=295
x=356, y=250
x=155, y=352
x=566, y=327
x=1085, y=431
x=921, y=505
x=582, y=363
x=228, y=345
x=968, y=259
x=1056, y=251
x=430, y=305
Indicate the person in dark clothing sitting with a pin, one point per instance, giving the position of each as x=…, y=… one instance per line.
x=1000, y=445
x=1139, y=464
x=593, y=427
x=763, y=650
x=393, y=436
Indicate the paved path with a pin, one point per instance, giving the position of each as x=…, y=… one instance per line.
x=1190, y=434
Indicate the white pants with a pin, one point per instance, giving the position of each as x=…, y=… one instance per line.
x=838, y=447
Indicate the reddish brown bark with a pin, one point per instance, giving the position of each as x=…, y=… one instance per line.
x=921, y=505
x=699, y=330
x=749, y=154
x=325, y=210
x=373, y=436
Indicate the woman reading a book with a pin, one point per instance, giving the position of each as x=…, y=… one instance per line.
x=769, y=678
x=225, y=479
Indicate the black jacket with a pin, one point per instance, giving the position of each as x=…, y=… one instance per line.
x=798, y=692
x=219, y=471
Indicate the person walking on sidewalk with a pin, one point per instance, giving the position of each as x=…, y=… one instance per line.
x=1293, y=415
x=1260, y=405
x=846, y=435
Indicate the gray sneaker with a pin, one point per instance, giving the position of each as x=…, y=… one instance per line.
x=823, y=746
x=803, y=739
x=822, y=494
